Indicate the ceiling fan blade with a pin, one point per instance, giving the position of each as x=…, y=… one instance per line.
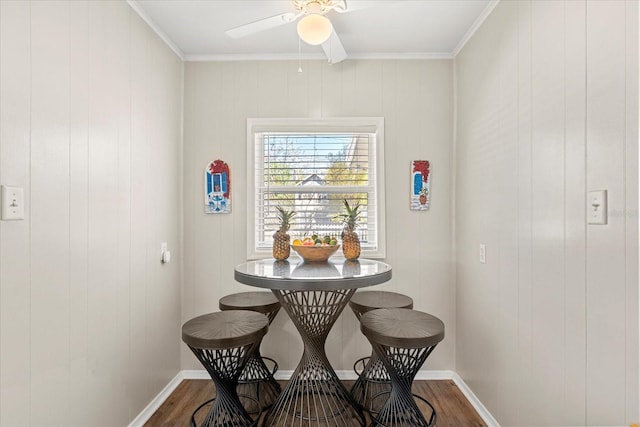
x=261, y=25
x=333, y=48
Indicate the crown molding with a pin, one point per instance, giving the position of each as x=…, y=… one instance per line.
x=165, y=38
x=311, y=56
x=474, y=27
x=230, y=57
x=404, y=55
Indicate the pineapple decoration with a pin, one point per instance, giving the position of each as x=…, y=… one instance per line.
x=281, y=239
x=350, y=240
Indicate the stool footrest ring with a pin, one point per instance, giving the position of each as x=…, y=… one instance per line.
x=192, y=422
x=269, y=373
x=370, y=377
x=375, y=422
x=362, y=361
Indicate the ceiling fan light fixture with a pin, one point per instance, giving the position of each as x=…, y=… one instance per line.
x=314, y=29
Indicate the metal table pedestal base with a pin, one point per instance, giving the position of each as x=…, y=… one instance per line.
x=314, y=396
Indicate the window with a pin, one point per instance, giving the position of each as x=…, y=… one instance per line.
x=311, y=166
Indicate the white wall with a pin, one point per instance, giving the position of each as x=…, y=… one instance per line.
x=547, y=109
x=414, y=97
x=90, y=127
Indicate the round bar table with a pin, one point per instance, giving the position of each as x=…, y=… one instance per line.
x=313, y=295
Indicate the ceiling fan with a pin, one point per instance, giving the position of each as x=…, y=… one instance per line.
x=313, y=26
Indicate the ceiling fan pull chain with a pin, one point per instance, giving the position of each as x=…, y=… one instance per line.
x=299, y=56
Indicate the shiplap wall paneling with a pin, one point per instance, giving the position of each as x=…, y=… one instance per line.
x=504, y=158
x=560, y=331
x=15, y=247
x=108, y=355
x=164, y=205
x=90, y=112
x=605, y=160
x=140, y=210
x=49, y=228
x=524, y=374
x=78, y=211
x=631, y=213
x=548, y=204
x=574, y=393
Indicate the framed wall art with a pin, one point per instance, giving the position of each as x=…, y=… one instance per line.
x=420, y=185
x=217, y=188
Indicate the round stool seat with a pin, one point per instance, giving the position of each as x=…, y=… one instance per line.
x=401, y=327
x=225, y=329
x=362, y=302
x=262, y=302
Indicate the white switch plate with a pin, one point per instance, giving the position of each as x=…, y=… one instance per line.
x=483, y=253
x=12, y=203
x=597, y=207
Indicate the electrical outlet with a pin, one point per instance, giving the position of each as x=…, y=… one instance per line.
x=165, y=254
x=483, y=253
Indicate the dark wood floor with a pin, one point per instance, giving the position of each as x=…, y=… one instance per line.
x=452, y=407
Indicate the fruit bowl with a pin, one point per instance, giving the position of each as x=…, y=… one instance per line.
x=315, y=253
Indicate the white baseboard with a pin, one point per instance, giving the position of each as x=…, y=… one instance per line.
x=157, y=401
x=284, y=375
x=475, y=402
x=343, y=375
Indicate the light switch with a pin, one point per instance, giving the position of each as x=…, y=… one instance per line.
x=483, y=253
x=597, y=207
x=12, y=203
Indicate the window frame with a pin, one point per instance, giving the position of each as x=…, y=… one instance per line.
x=372, y=125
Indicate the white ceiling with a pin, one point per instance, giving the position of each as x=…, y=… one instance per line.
x=377, y=29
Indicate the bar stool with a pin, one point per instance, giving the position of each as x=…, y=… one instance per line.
x=257, y=379
x=373, y=378
x=223, y=342
x=403, y=339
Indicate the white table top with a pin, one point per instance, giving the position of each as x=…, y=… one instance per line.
x=293, y=274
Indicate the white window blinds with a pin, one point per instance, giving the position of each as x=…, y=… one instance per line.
x=312, y=173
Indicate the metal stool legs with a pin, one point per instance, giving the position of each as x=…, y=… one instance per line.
x=400, y=409
x=225, y=366
x=257, y=384
x=372, y=381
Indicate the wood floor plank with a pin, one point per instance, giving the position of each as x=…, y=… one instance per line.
x=452, y=407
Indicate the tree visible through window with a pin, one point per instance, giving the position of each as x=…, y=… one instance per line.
x=312, y=173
